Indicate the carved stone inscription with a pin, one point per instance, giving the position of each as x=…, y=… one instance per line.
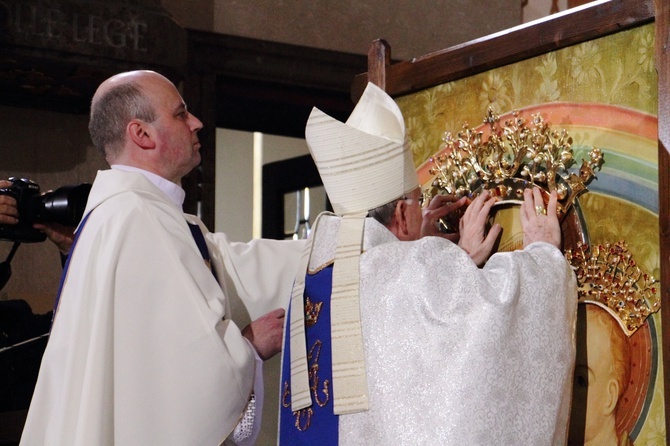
x=96, y=28
x=33, y=20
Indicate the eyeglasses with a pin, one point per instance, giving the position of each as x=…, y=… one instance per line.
x=421, y=199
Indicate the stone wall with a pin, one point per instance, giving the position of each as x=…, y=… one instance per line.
x=412, y=28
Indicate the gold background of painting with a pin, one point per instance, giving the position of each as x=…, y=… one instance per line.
x=616, y=70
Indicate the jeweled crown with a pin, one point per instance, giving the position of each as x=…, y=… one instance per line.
x=512, y=158
x=608, y=277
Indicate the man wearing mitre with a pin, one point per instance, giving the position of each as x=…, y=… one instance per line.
x=393, y=339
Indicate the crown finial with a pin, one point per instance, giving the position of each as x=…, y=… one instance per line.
x=609, y=277
x=512, y=158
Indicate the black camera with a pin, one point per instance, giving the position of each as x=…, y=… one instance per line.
x=64, y=205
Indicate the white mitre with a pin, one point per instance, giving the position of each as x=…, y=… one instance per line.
x=363, y=163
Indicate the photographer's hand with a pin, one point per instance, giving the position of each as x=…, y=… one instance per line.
x=62, y=236
x=8, y=211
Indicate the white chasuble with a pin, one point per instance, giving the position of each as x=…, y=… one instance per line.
x=140, y=352
x=455, y=354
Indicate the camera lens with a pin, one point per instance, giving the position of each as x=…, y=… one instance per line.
x=65, y=205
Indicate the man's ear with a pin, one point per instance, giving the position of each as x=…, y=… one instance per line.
x=141, y=134
x=400, y=223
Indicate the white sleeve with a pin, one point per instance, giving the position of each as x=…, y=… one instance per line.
x=260, y=273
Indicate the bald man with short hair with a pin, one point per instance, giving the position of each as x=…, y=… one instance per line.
x=143, y=349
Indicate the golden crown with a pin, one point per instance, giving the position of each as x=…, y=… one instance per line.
x=514, y=157
x=312, y=312
x=609, y=278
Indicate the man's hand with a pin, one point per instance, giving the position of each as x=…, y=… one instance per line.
x=62, y=236
x=440, y=206
x=265, y=333
x=473, y=228
x=540, y=224
x=9, y=213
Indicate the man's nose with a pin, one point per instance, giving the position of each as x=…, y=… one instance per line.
x=196, y=124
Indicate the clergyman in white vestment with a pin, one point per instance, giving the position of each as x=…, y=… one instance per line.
x=142, y=349
x=411, y=342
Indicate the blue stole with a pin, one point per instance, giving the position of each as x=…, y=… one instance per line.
x=202, y=246
x=66, y=266
x=316, y=424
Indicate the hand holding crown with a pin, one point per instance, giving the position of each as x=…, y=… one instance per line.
x=540, y=224
x=472, y=228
